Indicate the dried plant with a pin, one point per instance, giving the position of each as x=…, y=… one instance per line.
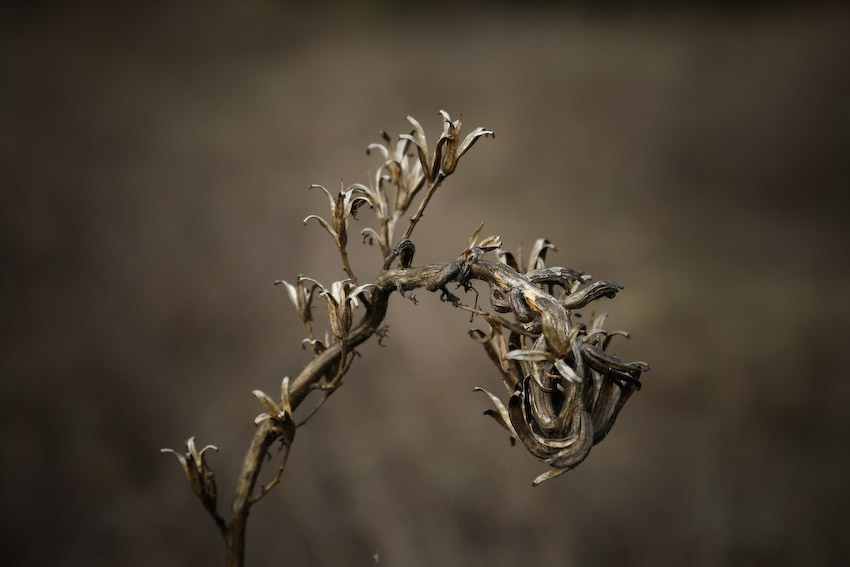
x=564, y=389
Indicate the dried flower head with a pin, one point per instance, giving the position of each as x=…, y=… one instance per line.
x=342, y=299
x=449, y=147
x=301, y=297
x=344, y=205
x=278, y=411
x=402, y=173
x=200, y=476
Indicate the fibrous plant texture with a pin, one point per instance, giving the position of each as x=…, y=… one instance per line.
x=564, y=389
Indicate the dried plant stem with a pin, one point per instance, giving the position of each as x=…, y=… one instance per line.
x=267, y=433
x=346, y=265
x=265, y=489
x=565, y=390
x=432, y=188
x=388, y=252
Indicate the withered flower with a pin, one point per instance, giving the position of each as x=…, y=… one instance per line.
x=342, y=299
x=300, y=296
x=318, y=346
x=401, y=169
x=198, y=473
x=344, y=205
x=449, y=147
x=280, y=411
x=376, y=192
x=487, y=244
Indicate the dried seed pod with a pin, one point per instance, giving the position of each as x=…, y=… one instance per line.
x=555, y=275
x=611, y=366
x=592, y=292
x=535, y=327
x=498, y=301
x=405, y=250
x=520, y=307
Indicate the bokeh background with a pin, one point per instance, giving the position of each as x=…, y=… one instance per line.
x=155, y=163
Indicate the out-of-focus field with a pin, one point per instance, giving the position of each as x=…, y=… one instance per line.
x=155, y=163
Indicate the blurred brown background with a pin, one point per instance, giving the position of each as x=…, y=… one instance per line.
x=155, y=163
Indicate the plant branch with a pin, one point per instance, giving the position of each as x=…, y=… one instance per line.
x=265, y=489
x=565, y=390
x=432, y=188
x=267, y=433
x=345, y=263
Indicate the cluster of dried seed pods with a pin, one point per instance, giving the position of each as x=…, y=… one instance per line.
x=565, y=389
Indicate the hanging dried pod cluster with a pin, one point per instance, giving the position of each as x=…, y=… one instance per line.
x=565, y=389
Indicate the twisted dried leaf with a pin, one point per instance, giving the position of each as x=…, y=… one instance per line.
x=530, y=355
x=611, y=366
x=538, y=254
x=548, y=475
x=501, y=412
x=471, y=138
x=568, y=372
x=519, y=306
x=563, y=277
x=592, y=292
